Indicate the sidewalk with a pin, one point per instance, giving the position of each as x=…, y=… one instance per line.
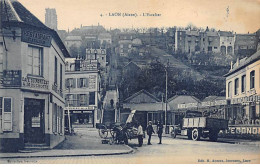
x=86, y=142
x=224, y=140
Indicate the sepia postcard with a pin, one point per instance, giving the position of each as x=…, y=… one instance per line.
x=129, y=82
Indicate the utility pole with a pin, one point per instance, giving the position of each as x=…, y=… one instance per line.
x=166, y=82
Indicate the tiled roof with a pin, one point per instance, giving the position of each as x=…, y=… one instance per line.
x=246, y=39
x=140, y=92
x=212, y=34
x=15, y=14
x=244, y=63
x=226, y=33
x=212, y=98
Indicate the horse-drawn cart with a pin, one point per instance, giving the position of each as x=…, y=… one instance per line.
x=118, y=132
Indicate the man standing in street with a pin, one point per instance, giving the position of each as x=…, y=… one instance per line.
x=160, y=131
x=150, y=131
x=140, y=134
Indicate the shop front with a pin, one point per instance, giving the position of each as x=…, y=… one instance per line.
x=34, y=123
x=80, y=116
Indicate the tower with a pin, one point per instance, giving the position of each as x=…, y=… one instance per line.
x=51, y=18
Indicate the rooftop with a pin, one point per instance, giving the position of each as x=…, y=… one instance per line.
x=15, y=14
x=73, y=38
x=244, y=62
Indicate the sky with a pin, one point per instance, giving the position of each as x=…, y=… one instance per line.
x=241, y=16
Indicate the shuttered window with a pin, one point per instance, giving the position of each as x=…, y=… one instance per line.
x=6, y=113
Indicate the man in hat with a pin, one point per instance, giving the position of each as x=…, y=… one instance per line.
x=149, y=131
x=140, y=134
x=160, y=131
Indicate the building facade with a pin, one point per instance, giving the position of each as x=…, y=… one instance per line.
x=245, y=45
x=227, y=42
x=32, y=66
x=82, y=92
x=243, y=91
x=51, y=20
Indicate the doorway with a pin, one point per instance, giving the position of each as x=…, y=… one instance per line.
x=34, y=121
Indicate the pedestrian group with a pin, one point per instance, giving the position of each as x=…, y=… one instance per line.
x=149, y=131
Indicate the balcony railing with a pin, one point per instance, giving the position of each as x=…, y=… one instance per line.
x=56, y=89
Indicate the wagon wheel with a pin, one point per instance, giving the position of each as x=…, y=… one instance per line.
x=103, y=132
x=195, y=134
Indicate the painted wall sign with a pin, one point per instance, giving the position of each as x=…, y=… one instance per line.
x=203, y=104
x=242, y=130
x=80, y=108
x=11, y=78
x=33, y=36
x=253, y=98
x=35, y=83
x=79, y=111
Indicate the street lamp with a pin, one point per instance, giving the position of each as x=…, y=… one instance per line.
x=166, y=82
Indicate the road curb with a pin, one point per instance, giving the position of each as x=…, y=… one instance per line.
x=130, y=150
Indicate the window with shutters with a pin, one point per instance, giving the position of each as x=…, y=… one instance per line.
x=54, y=118
x=71, y=83
x=83, y=100
x=6, y=114
x=34, y=61
x=82, y=82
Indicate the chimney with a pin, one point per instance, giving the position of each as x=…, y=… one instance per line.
x=237, y=62
x=231, y=65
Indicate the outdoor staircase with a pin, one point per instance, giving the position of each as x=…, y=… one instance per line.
x=109, y=111
x=32, y=147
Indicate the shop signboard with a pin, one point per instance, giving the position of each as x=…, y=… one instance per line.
x=37, y=83
x=12, y=78
x=247, y=99
x=37, y=37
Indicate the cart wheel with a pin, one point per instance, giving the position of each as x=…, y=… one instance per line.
x=103, y=132
x=174, y=133
x=213, y=135
x=195, y=134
